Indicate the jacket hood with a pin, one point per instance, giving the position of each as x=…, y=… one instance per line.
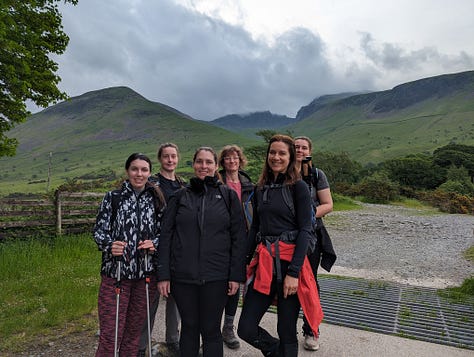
x=199, y=185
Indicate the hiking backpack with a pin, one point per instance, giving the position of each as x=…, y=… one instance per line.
x=288, y=196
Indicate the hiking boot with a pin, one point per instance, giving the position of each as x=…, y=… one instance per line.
x=229, y=338
x=173, y=349
x=311, y=343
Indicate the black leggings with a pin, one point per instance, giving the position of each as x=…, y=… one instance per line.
x=200, y=307
x=232, y=304
x=255, y=306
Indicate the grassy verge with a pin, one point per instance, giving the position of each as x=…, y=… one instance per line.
x=465, y=292
x=47, y=285
x=343, y=203
x=416, y=204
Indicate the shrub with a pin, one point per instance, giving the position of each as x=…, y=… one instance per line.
x=378, y=188
x=450, y=202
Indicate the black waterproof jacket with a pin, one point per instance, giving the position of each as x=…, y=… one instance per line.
x=203, y=235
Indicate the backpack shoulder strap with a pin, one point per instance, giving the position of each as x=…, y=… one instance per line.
x=288, y=196
x=155, y=179
x=180, y=180
x=315, y=172
x=116, y=200
x=247, y=207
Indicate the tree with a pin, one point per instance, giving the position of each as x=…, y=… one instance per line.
x=458, y=181
x=456, y=154
x=338, y=167
x=30, y=31
x=415, y=171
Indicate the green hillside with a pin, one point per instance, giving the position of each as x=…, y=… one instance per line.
x=91, y=135
x=95, y=132
x=411, y=118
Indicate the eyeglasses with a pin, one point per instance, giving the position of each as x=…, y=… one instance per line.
x=230, y=158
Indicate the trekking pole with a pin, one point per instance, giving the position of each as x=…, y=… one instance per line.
x=117, y=295
x=147, y=283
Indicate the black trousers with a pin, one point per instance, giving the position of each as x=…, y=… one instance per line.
x=201, y=308
x=255, y=306
x=232, y=304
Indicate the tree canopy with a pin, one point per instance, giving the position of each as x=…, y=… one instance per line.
x=30, y=31
x=457, y=155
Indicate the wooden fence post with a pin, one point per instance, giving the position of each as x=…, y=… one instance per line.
x=57, y=203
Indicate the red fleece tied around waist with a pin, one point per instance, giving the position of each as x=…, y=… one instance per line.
x=261, y=267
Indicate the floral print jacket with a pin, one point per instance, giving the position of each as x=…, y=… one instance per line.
x=136, y=218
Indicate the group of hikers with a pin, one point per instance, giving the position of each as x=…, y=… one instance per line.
x=202, y=245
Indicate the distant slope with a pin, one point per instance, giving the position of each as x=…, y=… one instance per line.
x=320, y=102
x=414, y=117
x=97, y=131
x=252, y=122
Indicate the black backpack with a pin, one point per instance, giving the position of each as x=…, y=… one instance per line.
x=288, y=196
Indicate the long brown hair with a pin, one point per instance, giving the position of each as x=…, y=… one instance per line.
x=291, y=175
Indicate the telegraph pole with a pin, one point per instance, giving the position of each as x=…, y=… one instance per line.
x=49, y=170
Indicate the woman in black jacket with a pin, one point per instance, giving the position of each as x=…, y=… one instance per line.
x=280, y=232
x=201, y=259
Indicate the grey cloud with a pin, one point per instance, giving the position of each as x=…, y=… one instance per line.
x=391, y=57
x=207, y=68
x=199, y=65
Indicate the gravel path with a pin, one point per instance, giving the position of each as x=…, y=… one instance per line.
x=402, y=244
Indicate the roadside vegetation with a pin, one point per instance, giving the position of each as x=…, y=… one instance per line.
x=465, y=292
x=443, y=180
x=48, y=288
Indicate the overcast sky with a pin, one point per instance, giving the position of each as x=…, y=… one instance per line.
x=209, y=58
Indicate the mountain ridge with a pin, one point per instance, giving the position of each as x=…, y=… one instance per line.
x=97, y=130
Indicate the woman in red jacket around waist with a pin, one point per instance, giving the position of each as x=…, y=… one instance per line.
x=280, y=267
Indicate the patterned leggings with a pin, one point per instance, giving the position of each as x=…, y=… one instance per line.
x=132, y=315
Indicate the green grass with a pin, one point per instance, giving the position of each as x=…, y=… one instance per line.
x=47, y=285
x=465, y=292
x=344, y=203
x=460, y=294
x=423, y=209
x=469, y=254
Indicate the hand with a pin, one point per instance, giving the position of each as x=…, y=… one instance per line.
x=233, y=288
x=118, y=248
x=164, y=288
x=147, y=245
x=290, y=286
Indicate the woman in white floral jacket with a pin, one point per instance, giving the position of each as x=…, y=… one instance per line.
x=127, y=227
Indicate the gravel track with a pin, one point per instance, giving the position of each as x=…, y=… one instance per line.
x=402, y=244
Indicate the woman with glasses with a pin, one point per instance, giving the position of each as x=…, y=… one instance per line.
x=201, y=260
x=232, y=160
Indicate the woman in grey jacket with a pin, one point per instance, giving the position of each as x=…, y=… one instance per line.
x=201, y=260
x=127, y=226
